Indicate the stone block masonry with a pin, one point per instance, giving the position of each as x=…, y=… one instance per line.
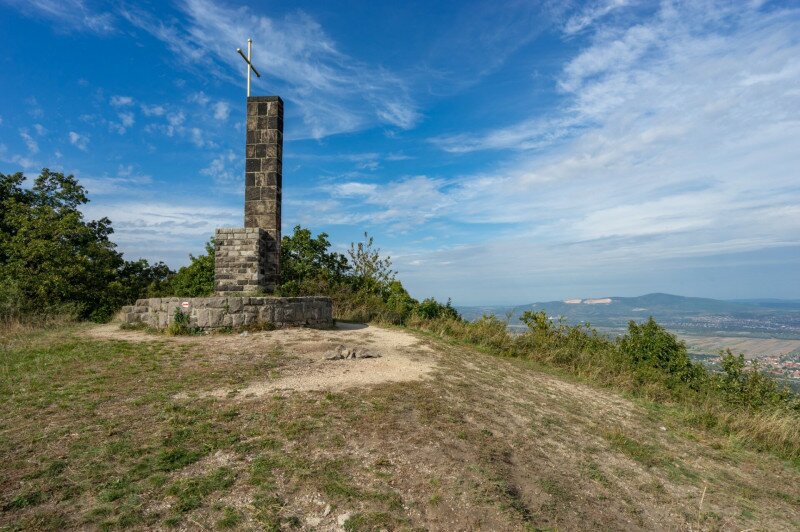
x=209, y=313
x=264, y=165
x=248, y=259
x=245, y=261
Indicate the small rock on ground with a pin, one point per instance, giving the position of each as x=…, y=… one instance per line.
x=346, y=353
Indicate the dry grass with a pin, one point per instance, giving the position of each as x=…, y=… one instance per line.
x=100, y=433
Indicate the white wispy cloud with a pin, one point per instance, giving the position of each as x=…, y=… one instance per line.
x=676, y=139
x=226, y=169
x=153, y=110
x=30, y=142
x=222, y=110
x=34, y=109
x=126, y=120
x=328, y=87
x=401, y=205
x=159, y=230
x=121, y=101
x=67, y=14
x=126, y=181
x=79, y=141
x=591, y=13
x=21, y=161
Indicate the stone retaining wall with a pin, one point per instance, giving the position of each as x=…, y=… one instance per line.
x=235, y=311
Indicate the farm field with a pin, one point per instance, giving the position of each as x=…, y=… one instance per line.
x=749, y=347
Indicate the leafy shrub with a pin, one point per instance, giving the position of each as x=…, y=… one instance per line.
x=180, y=324
x=194, y=280
x=362, y=284
x=430, y=309
x=52, y=260
x=656, y=354
x=751, y=388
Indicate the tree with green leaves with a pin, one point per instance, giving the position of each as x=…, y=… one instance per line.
x=52, y=259
x=194, y=280
x=371, y=271
x=308, y=266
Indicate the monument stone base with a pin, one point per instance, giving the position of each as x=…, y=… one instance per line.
x=209, y=313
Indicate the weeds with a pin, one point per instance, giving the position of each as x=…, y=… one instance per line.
x=651, y=363
x=180, y=324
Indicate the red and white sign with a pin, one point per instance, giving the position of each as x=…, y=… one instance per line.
x=185, y=304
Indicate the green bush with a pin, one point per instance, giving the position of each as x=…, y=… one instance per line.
x=430, y=309
x=650, y=362
x=52, y=260
x=751, y=388
x=179, y=324
x=194, y=280
x=362, y=284
x=657, y=354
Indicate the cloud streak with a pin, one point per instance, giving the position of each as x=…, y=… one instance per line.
x=328, y=87
x=68, y=14
x=676, y=139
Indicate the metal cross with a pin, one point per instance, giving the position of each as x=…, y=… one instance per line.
x=249, y=63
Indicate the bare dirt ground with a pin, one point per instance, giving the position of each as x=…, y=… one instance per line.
x=259, y=431
x=400, y=357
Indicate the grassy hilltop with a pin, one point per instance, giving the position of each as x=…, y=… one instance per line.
x=103, y=428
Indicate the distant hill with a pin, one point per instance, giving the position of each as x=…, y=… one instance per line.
x=767, y=317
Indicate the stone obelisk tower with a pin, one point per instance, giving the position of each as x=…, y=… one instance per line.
x=248, y=259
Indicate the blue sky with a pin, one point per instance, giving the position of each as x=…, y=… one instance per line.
x=500, y=152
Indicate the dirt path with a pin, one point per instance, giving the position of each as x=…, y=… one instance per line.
x=400, y=356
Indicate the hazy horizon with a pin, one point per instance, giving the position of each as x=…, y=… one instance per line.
x=616, y=296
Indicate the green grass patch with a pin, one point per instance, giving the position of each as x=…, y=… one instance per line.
x=645, y=454
x=190, y=492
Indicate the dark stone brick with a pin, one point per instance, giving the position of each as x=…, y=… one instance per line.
x=263, y=181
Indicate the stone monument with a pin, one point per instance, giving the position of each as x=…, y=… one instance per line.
x=247, y=259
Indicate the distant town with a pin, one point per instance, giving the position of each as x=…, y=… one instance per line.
x=767, y=332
